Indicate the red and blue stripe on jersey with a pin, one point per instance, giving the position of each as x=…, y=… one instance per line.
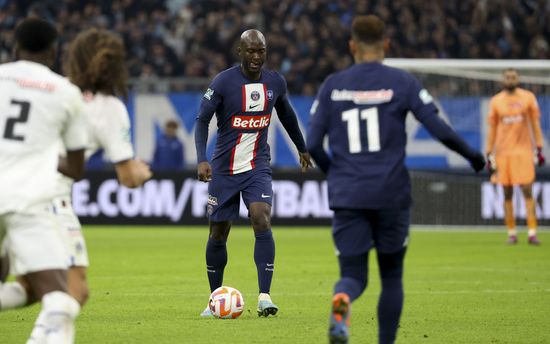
x=243, y=110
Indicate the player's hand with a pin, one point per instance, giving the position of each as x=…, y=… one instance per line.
x=478, y=162
x=144, y=170
x=204, y=172
x=491, y=163
x=305, y=161
x=539, y=157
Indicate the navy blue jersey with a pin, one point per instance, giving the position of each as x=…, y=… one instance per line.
x=243, y=109
x=363, y=109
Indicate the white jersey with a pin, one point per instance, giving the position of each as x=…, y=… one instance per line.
x=38, y=110
x=108, y=125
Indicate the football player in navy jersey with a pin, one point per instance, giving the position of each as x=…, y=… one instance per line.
x=243, y=98
x=362, y=110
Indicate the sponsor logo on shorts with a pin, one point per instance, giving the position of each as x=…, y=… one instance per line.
x=266, y=196
x=270, y=94
x=250, y=122
x=212, y=200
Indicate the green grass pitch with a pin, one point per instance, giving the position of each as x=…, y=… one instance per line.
x=148, y=285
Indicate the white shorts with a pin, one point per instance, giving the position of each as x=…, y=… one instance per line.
x=33, y=241
x=68, y=221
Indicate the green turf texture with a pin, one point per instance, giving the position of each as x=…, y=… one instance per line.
x=148, y=285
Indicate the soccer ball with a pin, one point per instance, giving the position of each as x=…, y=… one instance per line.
x=226, y=303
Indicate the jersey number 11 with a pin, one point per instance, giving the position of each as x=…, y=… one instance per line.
x=353, y=118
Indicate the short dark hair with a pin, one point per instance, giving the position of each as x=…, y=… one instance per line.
x=35, y=35
x=368, y=29
x=171, y=124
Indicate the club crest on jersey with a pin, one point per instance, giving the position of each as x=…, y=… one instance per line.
x=254, y=98
x=269, y=94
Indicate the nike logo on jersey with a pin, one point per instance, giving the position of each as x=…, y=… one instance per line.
x=265, y=196
x=253, y=106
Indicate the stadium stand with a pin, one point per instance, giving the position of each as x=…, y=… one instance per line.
x=194, y=38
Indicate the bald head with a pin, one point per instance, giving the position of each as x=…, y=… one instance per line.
x=252, y=37
x=252, y=52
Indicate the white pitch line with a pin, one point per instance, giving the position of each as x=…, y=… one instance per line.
x=407, y=292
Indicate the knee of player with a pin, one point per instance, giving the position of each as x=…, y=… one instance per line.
x=219, y=231
x=80, y=292
x=261, y=222
x=391, y=264
x=83, y=295
x=508, y=192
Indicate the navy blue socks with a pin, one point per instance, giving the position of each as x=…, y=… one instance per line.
x=390, y=302
x=353, y=275
x=216, y=260
x=264, y=257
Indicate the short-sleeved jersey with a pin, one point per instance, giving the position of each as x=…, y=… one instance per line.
x=363, y=109
x=38, y=110
x=108, y=126
x=243, y=109
x=512, y=114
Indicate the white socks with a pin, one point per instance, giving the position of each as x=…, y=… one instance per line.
x=264, y=296
x=55, y=323
x=12, y=295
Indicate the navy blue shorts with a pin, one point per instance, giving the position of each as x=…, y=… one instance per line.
x=224, y=193
x=356, y=231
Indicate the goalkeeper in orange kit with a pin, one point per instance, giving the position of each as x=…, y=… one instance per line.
x=514, y=145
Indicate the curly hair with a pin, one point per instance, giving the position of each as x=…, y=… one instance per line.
x=96, y=63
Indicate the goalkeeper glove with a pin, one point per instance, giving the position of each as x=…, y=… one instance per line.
x=491, y=163
x=540, y=160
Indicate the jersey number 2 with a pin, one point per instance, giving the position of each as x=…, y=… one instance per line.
x=21, y=118
x=353, y=117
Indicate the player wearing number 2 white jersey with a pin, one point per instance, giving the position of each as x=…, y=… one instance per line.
x=38, y=109
x=96, y=65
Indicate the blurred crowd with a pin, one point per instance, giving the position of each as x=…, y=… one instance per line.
x=307, y=40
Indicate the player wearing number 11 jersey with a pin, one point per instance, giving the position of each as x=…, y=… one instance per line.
x=362, y=110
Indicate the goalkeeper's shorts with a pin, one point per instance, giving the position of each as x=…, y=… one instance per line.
x=514, y=169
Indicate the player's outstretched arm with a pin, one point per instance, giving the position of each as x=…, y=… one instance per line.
x=446, y=135
x=133, y=173
x=422, y=105
x=72, y=165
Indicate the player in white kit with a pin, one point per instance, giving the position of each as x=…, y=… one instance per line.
x=38, y=110
x=96, y=65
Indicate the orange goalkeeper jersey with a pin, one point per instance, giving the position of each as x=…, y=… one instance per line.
x=514, y=116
